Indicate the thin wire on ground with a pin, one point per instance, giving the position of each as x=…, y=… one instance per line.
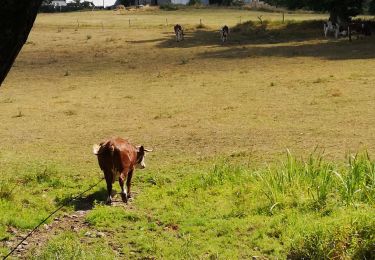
x=50, y=215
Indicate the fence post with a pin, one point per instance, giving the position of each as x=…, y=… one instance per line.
x=129, y=22
x=200, y=22
x=166, y=21
x=240, y=19
x=283, y=17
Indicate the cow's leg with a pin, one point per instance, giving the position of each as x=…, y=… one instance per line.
x=129, y=182
x=108, y=179
x=121, y=180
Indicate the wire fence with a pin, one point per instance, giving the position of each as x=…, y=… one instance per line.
x=50, y=215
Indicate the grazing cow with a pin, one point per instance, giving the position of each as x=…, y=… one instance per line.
x=224, y=32
x=330, y=27
x=179, y=31
x=358, y=29
x=117, y=159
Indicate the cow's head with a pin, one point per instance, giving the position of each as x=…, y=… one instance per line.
x=141, y=153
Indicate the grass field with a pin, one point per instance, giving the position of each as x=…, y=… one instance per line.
x=219, y=183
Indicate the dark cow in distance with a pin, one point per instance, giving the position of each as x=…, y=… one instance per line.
x=179, y=32
x=358, y=29
x=224, y=32
x=117, y=159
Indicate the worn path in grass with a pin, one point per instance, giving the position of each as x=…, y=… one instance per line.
x=74, y=221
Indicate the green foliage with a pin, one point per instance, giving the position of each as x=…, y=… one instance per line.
x=226, y=2
x=343, y=9
x=321, y=180
x=169, y=7
x=354, y=240
x=358, y=182
x=195, y=2
x=124, y=2
x=371, y=8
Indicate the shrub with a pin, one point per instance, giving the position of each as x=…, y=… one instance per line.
x=169, y=7
x=371, y=9
x=195, y=2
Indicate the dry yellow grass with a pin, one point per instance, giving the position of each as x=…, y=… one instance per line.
x=74, y=85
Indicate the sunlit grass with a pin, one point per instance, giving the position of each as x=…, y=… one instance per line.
x=201, y=208
x=272, y=86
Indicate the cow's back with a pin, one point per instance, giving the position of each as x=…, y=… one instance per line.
x=116, y=154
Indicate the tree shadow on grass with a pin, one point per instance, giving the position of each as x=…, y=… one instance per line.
x=292, y=39
x=84, y=203
x=250, y=33
x=191, y=39
x=331, y=50
x=144, y=41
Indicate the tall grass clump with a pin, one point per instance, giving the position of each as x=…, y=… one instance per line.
x=221, y=173
x=357, y=179
x=317, y=181
x=297, y=177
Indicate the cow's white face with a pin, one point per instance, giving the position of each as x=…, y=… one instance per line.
x=141, y=153
x=141, y=164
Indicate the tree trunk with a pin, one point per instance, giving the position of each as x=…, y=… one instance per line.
x=16, y=20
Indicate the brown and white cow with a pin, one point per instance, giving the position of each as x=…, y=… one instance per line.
x=117, y=159
x=179, y=32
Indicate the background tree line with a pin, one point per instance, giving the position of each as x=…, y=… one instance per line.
x=341, y=10
x=338, y=9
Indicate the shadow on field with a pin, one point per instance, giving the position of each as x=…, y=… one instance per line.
x=145, y=41
x=251, y=33
x=192, y=39
x=85, y=203
x=332, y=50
x=292, y=39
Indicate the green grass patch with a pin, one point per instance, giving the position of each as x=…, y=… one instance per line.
x=105, y=216
x=68, y=246
x=30, y=190
x=297, y=208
